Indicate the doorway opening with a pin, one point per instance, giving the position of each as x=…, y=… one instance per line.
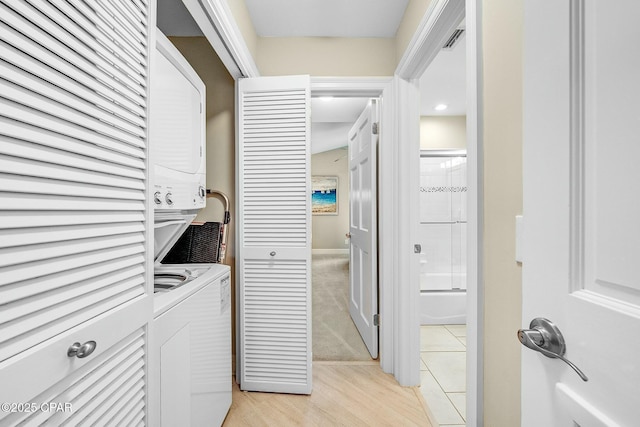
x=335, y=334
x=443, y=231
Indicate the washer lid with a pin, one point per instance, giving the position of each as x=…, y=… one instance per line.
x=167, y=229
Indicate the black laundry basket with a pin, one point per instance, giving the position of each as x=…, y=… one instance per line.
x=202, y=243
x=199, y=243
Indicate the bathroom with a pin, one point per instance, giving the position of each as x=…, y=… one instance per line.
x=443, y=185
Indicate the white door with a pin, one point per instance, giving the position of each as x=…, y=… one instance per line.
x=274, y=234
x=363, y=268
x=75, y=289
x=581, y=252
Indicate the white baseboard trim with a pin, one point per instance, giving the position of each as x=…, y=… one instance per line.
x=330, y=251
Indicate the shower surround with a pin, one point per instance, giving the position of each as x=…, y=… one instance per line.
x=443, y=235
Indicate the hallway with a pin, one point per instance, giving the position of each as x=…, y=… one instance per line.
x=335, y=336
x=349, y=388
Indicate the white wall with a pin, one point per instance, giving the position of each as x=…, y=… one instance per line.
x=328, y=231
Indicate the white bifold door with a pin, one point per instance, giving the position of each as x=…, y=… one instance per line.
x=363, y=266
x=274, y=234
x=581, y=210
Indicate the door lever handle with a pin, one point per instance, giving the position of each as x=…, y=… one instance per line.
x=545, y=337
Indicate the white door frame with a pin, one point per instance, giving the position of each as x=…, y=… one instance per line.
x=440, y=19
x=399, y=268
x=375, y=87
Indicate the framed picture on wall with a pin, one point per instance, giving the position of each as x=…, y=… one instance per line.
x=324, y=195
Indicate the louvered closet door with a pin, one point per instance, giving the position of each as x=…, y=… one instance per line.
x=275, y=234
x=73, y=102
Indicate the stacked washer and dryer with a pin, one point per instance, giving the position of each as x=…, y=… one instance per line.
x=190, y=354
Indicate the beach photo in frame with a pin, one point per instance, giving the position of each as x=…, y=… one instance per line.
x=324, y=195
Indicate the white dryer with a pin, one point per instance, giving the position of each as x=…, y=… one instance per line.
x=177, y=130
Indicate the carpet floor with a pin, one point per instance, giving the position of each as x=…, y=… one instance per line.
x=335, y=337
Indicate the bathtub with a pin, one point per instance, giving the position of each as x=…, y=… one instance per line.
x=443, y=307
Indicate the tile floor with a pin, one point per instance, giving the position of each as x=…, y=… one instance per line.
x=443, y=352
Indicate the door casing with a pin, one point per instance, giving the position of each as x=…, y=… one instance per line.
x=440, y=19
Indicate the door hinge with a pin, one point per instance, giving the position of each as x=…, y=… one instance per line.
x=376, y=320
x=375, y=128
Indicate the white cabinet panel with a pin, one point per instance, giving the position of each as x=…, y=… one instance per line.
x=72, y=155
x=73, y=208
x=48, y=367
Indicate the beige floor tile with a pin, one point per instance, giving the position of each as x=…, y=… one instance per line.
x=457, y=330
x=437, y=401
x=438, y=338
x=459, y=400
x=449, y=368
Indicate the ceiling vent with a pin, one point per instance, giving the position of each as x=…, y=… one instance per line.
x=453, y=40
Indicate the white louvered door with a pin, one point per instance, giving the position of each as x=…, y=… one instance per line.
x=73, y=206
x=274, y=229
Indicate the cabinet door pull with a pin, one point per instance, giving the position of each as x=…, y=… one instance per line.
x=81, y=351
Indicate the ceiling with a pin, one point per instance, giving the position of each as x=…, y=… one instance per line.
x=325, y=110
x=444, y=82
x=331, y=120
x=326, y=18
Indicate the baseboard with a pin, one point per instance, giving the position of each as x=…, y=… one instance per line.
x=330, y=251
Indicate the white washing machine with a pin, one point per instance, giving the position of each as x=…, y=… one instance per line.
x=191, y=342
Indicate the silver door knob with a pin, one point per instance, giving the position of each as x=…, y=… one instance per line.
x=81, y=351
x=544, y=336
x=272, y=253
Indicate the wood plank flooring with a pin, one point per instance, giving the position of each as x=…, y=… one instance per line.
x=344, y=394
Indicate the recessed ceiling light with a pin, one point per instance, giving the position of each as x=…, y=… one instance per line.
x=441, y=107
x=326, y=98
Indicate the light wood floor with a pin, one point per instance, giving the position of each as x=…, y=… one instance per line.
x=344, y=394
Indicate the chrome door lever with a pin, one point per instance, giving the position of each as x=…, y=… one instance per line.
x=545, y=337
